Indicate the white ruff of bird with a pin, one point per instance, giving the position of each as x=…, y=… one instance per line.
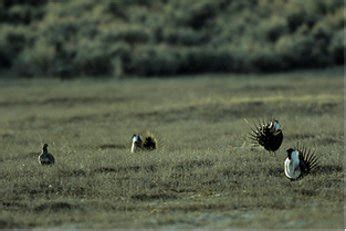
x=292, y=169
x=136, y=143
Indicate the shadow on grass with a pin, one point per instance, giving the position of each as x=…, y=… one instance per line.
x=23, y=156
x=306, y=192
x=12, y=205
x=154, y=196
x=136, y=168
x=328, y=169
x=188, y=165
x=277, y=172
x=66, y=101
x=112, y=146
x=55, y=206
x=301, y=136
x=324, y=169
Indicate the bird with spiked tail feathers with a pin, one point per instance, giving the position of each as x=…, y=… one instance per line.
x=268, y=135
x=143, y=141
x=300, y=161
x=46, y=158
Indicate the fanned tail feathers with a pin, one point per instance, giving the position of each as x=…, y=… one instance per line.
x=309, y=157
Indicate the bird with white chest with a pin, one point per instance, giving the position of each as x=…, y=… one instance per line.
x=136, y=143
x=146, y=142
x=299, y=162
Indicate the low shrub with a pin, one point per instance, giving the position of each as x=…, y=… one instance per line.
x=37, y=61
x=13, y=40
x=337, y=47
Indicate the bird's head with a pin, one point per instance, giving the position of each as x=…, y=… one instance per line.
x=275, y=124
x=289, y=153
x=45, y=147
x=136, y=139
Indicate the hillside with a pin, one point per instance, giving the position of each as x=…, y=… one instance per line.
x=160, y=37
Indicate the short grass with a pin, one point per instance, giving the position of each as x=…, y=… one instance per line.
x=205, y=172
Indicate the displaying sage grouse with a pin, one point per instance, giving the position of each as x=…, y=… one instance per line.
x=144, y=141
x=46, y=158
x=299, y=162
x=268, y=135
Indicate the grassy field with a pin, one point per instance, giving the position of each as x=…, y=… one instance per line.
x=205, y=172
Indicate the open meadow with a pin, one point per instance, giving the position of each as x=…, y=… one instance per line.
x=205, y=173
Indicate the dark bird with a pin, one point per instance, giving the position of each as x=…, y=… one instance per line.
x=299, y=162
x=143, y=142
x=46, y=158
x=268, y=135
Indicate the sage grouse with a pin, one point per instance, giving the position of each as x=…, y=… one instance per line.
x=268, y=135
x=143, y=142
x=46, y=158
x=299, y=162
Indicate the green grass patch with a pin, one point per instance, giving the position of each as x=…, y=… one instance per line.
x=205, y=172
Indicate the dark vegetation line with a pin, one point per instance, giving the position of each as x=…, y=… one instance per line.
x=160, y=37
